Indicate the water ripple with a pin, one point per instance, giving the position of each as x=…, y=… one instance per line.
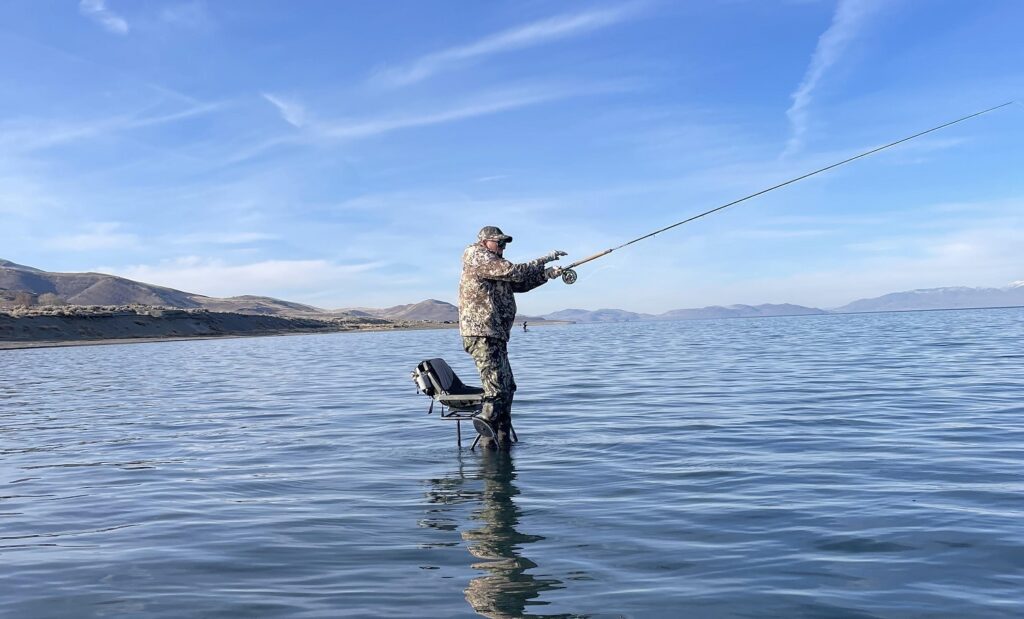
x=824, y=466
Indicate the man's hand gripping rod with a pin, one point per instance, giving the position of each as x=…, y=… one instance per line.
x=569, y=274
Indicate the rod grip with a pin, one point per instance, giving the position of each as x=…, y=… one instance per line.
x=589, y=258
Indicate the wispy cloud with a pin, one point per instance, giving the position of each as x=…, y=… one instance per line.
x=193, y=15
x=292, y=112
x=198, y=109
x=772, y=234
x=923, y=150
x=218, y=278
x=492, y=103
x=358, y=128
x=529, y=35
x=846, y=23
x=316, y=130
x=26, y=135
x=225, y=238
x=97, y=11
x=96, y=237
x=23, y=196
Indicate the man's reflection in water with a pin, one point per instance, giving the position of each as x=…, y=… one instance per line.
x=505, y=589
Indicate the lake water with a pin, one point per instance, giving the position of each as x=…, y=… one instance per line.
x=824, y=466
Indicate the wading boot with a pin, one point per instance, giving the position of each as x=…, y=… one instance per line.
x=504, y=436
x=502, y=424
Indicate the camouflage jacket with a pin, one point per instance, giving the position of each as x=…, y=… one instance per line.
x=487, y=305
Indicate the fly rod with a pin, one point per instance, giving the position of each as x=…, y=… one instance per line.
x=569, y=274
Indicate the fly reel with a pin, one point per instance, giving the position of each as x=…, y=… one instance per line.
x=569, y=276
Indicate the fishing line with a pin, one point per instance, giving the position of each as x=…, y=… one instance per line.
x=569, y=275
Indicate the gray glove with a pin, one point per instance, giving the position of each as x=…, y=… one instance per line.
x=553, y=272
x=551, y=257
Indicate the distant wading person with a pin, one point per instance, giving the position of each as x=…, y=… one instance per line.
x=487, y=312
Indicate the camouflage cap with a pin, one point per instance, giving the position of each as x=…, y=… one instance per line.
x=493, y=233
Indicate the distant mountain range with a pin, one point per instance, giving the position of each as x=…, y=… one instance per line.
x=715, y=311
x=924, y=299
x=20, y=284
x=958, y=297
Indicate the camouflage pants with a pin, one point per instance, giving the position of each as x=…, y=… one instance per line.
x=491, y=357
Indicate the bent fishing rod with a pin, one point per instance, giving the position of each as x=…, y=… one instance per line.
x=569, y=274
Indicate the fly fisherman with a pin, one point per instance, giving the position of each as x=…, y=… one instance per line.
x=487, y=311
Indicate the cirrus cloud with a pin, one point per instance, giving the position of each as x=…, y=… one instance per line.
x=849, y=17
x=97, y=11
x=529, y=35
x=218, y=278
x=95, y=237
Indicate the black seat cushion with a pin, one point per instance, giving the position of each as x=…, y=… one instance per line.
x=448, y=389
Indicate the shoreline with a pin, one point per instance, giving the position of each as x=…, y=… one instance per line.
x=34, y=343
x=29, y=344
x=49, y=327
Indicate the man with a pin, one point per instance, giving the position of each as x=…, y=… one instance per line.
x=487, y=311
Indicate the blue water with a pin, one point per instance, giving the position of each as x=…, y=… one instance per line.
x=823, y=466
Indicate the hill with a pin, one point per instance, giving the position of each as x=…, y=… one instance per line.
x=431, y=309
x=601, y=315
x=44, y=287
x=957, y=297
x=12, y=265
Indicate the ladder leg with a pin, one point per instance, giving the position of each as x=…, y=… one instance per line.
x=458, y=433
x=473, y=446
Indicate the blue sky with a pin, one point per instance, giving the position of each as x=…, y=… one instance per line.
x=343, y=153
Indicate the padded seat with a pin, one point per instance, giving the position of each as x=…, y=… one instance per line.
x=459, y=401
x=437, y=379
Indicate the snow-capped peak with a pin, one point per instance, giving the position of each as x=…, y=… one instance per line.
x=1017, y=284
